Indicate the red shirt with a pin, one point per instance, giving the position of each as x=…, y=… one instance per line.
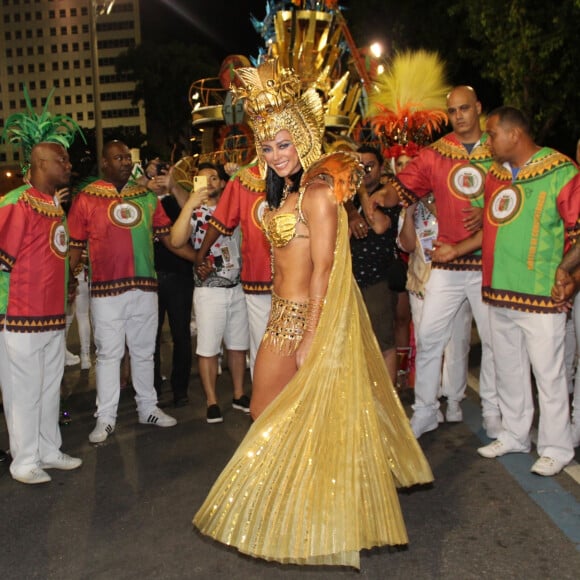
x=244, y=202
x=33, y=262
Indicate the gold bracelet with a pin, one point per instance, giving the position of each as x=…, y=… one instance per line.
x=313, y=313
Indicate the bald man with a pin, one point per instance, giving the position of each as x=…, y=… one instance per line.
x=33, y=274
x=454, y=169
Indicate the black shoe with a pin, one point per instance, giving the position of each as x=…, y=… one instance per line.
x=180, y=401
x=214, y=415
x=242, y=404
x=3, y=456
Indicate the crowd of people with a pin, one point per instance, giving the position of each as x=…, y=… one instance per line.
x=296, y=260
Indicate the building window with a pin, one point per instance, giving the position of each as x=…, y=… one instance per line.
x=78, y=99
x=64, y=47
x=10, y=70
x=66, y=82
x=91, y=116
x=80, y=117
x=19, y=51
x=41, y=67
x=73, y=12
x=55, y=66
x=32, y=85
x=7, y=35
x=77, y=81
x=8, y=53
x=53, y=48
x=39, y=33
x=74, y=29
x=67, y=100
x=11, y=87
x=43, y=84
x=57, y=100
x=40, y=49
x=30, y=68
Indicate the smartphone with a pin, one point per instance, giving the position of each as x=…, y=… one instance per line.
x=199, y=182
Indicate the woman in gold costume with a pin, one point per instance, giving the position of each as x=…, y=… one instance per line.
x=315, y=479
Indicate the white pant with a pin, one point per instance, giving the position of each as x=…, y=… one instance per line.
x=456, y=355
x=521, y=338
x=573, y=357
x=31, y=369
x=221, y=315
x=259, y=306
x=445, y=292
x=130, y=317
x=80, y=309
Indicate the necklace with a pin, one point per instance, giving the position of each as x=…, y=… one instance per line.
x=285, y=193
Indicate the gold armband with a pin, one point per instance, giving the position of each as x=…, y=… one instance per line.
x=313, y=313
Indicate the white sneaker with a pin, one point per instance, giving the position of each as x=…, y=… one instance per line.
x=62, y=461
x=85, y=361
x=492, y=426
x=547, y=466
x=498, y=448
x=70, y=359
x=101, y=431
x=423, y=423
x=31, y=476
x=453, y=413
x=157, y=417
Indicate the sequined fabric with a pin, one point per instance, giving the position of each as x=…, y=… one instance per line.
x=285, y=325
x=314, y=480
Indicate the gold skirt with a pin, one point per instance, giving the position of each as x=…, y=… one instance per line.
x=315, y=479
x=286, y=325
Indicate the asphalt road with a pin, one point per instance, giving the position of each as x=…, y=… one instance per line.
x=126, y=513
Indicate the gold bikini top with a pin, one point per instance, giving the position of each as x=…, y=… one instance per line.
x=280, y=228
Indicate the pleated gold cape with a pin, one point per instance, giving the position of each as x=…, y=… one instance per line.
x=314, y=480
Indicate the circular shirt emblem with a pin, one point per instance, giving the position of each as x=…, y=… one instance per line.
x=125, y=214
x=466, y=181
x=504, y=205
x=259, y=208
x=59, y=239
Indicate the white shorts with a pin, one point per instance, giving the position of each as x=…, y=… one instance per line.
x=221, y=314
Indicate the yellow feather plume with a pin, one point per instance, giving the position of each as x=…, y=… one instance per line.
x=410, y=100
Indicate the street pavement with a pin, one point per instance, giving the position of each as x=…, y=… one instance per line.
x=126, y=513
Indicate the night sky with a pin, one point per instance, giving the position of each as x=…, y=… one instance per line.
x=222, y=24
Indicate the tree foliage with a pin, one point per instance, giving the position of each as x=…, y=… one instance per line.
x=528, y=48
x=163, y=75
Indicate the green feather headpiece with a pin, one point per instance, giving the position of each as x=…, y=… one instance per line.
x=28, y=129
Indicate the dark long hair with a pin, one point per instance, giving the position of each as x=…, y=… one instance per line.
x=275, y=186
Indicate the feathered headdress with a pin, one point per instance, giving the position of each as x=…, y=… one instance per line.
x=273, y=101
x=28, y=129
x=409, y=105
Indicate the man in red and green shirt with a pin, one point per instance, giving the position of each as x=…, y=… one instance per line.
x=532, y=208
x=33, y=282
x=117, y=219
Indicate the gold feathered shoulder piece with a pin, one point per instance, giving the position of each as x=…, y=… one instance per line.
x=341, y=170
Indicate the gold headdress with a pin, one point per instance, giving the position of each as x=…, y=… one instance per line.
x=274, y=102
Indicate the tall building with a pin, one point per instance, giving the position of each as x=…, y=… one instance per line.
x=49, y=43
